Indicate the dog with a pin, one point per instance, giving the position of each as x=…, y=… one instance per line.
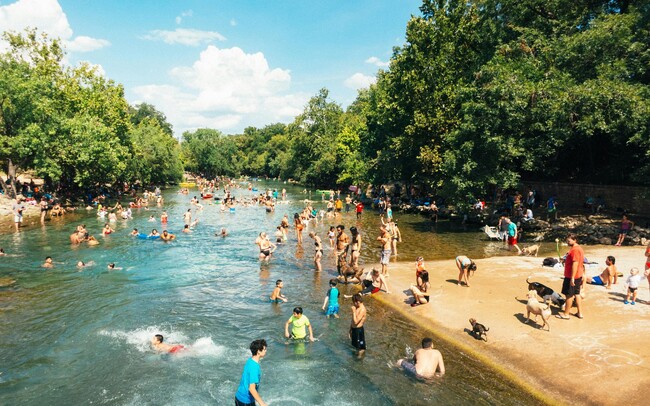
x=530, y=250
x=546, y=293
x=348, y=272
x=478, y=330
x=538, y=309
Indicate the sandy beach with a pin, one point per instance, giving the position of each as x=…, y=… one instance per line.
x=601, y=359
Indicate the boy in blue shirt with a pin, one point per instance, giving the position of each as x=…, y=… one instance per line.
x=333, y=298
x=250, y=379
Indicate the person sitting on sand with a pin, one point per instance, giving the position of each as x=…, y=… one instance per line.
x=421, y=290
x=465, y=266
x=609, y=275
x=426, y=361
x=48, y=263
x=158, y=345
x=372, y=283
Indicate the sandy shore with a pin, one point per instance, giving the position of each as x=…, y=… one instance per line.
x=601, y=359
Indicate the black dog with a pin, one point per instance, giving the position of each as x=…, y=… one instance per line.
x=546, y=293
x=478, y=330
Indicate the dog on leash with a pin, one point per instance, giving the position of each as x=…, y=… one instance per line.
x=530, y=250
x=478, y=330
x=546, y=293
x=538, y=309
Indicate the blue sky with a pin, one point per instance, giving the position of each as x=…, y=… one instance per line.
x=224, y=64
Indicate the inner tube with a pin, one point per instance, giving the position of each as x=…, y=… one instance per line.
x=143, y=236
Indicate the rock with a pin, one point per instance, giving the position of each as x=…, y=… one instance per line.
x=605, y=241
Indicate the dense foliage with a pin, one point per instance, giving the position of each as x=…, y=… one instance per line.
x=483, y=94
x=73, y=127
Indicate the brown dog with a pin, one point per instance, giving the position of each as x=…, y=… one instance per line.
x=350, y=272
x=530, y=251
x=478, y=330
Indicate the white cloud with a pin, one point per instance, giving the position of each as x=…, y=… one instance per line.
x=373, y=60
x=46, y=16
x=186, y=13
x=233, y=22
x=225, y=89
x=359, y=80
x=184, y=36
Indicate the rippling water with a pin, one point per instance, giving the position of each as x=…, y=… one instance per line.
x=70, y=337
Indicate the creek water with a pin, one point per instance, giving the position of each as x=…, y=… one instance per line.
x=71, y=337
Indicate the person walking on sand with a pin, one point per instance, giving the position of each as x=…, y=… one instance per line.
x=427, y=361
x=574, y=269
x=357, y=333
x=513, y=233
x=385, y=240
x=632, y=284
x=626, y=227
x=247, y=392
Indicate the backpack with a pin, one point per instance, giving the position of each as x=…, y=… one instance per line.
x=550, y=261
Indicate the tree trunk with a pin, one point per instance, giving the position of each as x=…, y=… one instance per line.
x=11, y=174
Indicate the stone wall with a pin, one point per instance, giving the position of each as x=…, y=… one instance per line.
x=633, y=199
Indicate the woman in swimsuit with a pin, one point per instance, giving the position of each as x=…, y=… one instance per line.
x=297, y=222
x=356, y=247
x=266, y=246
x=465, y=266
x=420, y=292
x=396, y=236
x=107, y=229
x=626, y=227
x=419, y=267
x=318, y=251
x=331, y=235
x=45, y=206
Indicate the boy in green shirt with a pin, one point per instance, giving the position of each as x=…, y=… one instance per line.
x=299, y=322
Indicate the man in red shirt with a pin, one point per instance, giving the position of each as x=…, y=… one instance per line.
x=574, y=269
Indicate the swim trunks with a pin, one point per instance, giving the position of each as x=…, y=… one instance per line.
x=358, y=338
x=176, y=348
x=597, y=280
x=331, y=310
x=512, y=241
x=265, y=252
x=569, y=290
x=278, y=300
x=385, y=257
x=409, y=367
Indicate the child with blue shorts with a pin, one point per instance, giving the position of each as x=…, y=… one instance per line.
x=333, y=298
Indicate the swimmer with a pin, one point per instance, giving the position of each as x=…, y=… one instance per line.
x=154, y=233
x=277, y=296
x=82, y=264
x=158, y=345
x=107, y=229
x=152, y=219
x=223, y=232
x=48, y=263
x=164, y=218
x=134, y=232
x=111, y=267
x=427, y=362
x=166, y=236
x=2, y=252
x=186, y=228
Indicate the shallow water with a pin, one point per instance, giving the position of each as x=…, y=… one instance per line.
x=71, y=337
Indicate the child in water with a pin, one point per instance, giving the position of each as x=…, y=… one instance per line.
x=277, y=296
x=333, y=298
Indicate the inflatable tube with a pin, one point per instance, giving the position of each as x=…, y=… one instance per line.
x=207, y=196
x=143, y=236
x=254, y=189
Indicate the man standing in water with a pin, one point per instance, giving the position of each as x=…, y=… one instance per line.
x=342, y=243
x=357, y=334
x=247, y=392
x=426, y=361
x=385, y=240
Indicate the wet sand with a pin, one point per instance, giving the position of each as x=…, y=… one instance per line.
x=601, y=359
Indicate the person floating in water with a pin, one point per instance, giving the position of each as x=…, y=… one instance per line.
x=247, y=393
x=48, y=263
x=277, y=296
x=426, y=361
x=158, y=345
x=298, y=322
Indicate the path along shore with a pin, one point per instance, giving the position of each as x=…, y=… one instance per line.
x=602, y=359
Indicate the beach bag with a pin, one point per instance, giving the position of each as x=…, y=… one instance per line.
x=550, y=261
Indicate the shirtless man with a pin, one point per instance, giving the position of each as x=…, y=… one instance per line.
x=167, y=236
x=187, y=217
x=158, y=345
x=385, y=240
x=609, y=275
x=342, y=243
x=357, y=334
x=426, y=361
